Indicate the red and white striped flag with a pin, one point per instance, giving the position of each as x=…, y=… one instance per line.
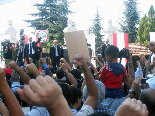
x=121, y=41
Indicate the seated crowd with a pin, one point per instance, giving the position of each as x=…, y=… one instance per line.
x=111, y=91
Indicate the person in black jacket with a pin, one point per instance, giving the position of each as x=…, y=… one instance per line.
x=7, y=52
x=20, y=56
x=103, y=49
x=55, y=55
x=31, y=50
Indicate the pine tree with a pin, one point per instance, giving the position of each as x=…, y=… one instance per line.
x=131, y=16
x=52, y=16
x=97, y=28
x=146, y=25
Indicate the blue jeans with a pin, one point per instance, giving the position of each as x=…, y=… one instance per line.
x=114, y=93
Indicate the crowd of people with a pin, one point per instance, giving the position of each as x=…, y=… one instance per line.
x=24, y=53
x=80, y=90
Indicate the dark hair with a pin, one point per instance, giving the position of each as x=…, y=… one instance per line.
x=76, y=73
x=76, y=94
x=44, y=47
x=60, y=73
x=147, y=98
x=98, y=69
x=112, y=51
x=66, y=90
x=14, y=77
x=8, y=76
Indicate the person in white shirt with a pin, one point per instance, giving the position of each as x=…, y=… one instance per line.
x=55, y=55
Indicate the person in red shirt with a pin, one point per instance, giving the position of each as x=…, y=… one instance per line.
x=113, y=73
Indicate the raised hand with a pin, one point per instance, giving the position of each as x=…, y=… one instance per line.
x=132, y=107
x=31, y=68
x=135, y=85
x=9, y=98
x=63, y=67
x=13, y=64
x=62, y=60
x=79, y=60
x=43, y=91
x=151, y=46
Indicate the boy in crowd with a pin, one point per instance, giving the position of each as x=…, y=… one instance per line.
x=113, y=73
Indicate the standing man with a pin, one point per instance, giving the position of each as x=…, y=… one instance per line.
x=20, y=56
x=31, y=50
x=14, y=52
x=55, y=55
x=7, y=52
x=103, y=49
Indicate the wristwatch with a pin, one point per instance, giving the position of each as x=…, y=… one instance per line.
x=132, y=92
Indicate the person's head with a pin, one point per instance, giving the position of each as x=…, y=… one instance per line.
x=55, y=42
x=30, y=39
x=106, y=41
x=112, y=52
x=76, y=73
x=66, y=90
x=15, y=77
x=44, y=49
x=13, y=45
x=148, y=98
x=8, y=72
x=77, y=96
x=60, y=73
x=142, y=60
x=7, y=42
x=101, y=91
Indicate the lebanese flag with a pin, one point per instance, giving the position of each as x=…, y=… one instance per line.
x=26, y=38
x=121, y=41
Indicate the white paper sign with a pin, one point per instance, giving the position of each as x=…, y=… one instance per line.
x=152, y=36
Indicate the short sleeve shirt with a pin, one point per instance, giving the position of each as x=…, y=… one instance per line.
x=85, y=110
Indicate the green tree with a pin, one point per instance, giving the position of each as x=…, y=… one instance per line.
x=97, y=28
x=131, y=20
x=143, y=30
x=151, y=15
x=146, y=25
x=52, y=16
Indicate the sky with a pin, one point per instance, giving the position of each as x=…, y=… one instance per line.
x=18, y=10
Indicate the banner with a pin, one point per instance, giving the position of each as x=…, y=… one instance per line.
x=121, y=41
